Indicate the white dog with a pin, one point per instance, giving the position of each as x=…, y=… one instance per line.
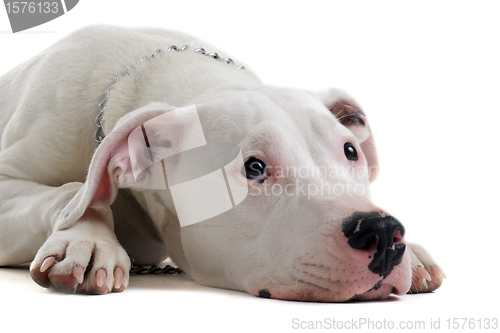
x=280, y=210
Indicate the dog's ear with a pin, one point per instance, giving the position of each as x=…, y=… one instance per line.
x=349, y=114
x=130, y=156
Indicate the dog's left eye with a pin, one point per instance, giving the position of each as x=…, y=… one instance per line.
x=254, y=169
x=350, y=152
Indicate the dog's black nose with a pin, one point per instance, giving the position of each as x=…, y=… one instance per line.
x=381, y=236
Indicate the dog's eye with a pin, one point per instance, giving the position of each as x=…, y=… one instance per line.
x=350, y=152
x=254, y=169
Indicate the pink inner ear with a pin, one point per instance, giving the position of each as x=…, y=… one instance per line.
x=116, y=173
x=102, y=194
x=114, y=160
x=348, y=113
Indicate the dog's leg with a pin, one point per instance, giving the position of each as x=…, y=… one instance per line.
x=85, y=257
x=28, y=213
x=426, y=274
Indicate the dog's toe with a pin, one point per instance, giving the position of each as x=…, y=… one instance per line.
x=64, y=282
x=47, y=257
x=428, y=281
x=109, y=271
x=40, y=273
x=427, y=275
x=45, y=277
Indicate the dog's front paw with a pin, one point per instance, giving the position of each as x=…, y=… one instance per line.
x=427, y=276
x=84, y=258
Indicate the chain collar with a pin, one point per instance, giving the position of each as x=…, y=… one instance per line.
x=99, y=133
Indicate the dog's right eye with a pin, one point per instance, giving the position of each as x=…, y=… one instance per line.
x=255, y=169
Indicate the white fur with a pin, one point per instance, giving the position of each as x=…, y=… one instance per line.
x=51, y=181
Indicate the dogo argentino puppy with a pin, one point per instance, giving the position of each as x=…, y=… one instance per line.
x=245, y=186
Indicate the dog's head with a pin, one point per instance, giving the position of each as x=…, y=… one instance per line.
x=270, y=190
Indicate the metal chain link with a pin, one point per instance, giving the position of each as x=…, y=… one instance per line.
x=144, y=270
x=153, y=269
x=99, y=133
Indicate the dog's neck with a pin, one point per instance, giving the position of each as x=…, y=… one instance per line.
x=173, y=77
x=176, y=78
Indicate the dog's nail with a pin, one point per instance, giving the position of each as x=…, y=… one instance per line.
x=47, y=263
x=437, y=272
x=118, y=277
x=78, y=274
x=100, y=277
x=422, y=273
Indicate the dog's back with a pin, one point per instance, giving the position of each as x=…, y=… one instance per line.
x=38, y=98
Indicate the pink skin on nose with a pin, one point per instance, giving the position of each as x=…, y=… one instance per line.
x=366, y=255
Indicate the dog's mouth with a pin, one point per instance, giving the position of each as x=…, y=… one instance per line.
x=379, y=291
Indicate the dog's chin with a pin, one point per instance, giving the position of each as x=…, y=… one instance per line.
x=311, y=294
x=382, y=292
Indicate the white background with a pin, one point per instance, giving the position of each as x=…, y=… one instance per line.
x=427, y=74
